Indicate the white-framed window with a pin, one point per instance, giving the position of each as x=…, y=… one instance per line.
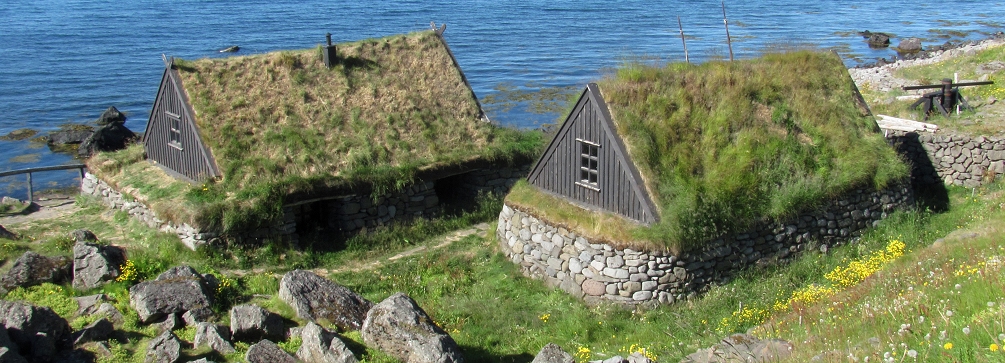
x=589, y=164
x=175, y=132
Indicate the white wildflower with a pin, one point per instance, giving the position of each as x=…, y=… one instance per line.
x=912, y=353
x=966, y=330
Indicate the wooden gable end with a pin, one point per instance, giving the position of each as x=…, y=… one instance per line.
x=586, y=163
x=172, y=138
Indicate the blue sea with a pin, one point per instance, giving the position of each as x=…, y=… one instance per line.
x=66, y=61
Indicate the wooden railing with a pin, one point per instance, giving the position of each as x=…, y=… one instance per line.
x=28, y=171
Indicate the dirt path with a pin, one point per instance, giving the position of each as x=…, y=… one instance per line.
x=430, y=246
x=45, y=208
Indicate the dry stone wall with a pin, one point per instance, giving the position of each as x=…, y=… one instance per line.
x=951, y=159
x=345, y=214
x=599, y=272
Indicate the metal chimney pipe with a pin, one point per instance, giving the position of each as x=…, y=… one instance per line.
x=328, y=53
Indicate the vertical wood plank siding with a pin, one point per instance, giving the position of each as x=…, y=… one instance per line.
x=190, y=158
x=558, y=170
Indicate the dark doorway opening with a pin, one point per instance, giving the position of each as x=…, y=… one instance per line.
x=457, y=194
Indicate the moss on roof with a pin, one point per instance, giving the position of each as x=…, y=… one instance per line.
x=723, y=145
x=281, y=124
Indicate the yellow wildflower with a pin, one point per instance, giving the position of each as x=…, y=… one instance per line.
x=948, y=346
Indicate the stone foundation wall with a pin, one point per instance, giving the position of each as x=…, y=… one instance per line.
x=598, y=272
x=951, y=159
x=343, y=214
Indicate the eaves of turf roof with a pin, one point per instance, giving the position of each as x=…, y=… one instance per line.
x=393, y=102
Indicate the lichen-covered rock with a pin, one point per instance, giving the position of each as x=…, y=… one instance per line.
x=87, y=305
x=208, y=334
x=314, y=297
x=93, y=264
x=252, y=323
x=34, y=329
x=742, y=348
x=552, y=353
x=196, y=316
x=321, y=346
x=175, y=291
x=165, y=348
x=110, y=312
x=399, y=327
x=266, y=351
x=34, y=269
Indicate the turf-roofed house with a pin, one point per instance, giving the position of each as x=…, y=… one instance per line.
x=331, y=140
x=664, y=180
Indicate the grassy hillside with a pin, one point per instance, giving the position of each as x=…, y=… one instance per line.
x=281, y=123
x=497, y=315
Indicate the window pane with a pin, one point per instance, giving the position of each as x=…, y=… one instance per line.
x=594, y=151
x=593, y=164
x=586, y=148
x=593, y=178
x=584, y=175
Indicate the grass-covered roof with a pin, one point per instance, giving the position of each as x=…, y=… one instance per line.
x=281, y=124
x=722, y=145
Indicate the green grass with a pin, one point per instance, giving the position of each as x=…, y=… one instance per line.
x=723, y=145
x=282, y=124
x=497, y=315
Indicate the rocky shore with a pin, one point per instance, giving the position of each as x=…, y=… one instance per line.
x=880, y=77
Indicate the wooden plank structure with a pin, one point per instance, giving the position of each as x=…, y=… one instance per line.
x=587, y=163
x=893, y=123
x=172, y=139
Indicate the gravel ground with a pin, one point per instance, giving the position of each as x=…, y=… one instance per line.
x=881, y=78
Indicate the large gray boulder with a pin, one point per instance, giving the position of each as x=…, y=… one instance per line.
x=399, y=327
x=266, y=351
x=93, y=264
x=878, y=40
x=552, y=353
x=36, y=330
x=175, y=291
x=742, y=348
x=251, y=323
x=110, y=137
x=165, y=348
x=321, y=346
x=208, y=334
x=314, y=297
x=909, y=45
x=33, y=269
x=111, y=116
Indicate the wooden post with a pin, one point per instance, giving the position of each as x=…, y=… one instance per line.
x=726, y=23
x=681, y=27
x=30, y=193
